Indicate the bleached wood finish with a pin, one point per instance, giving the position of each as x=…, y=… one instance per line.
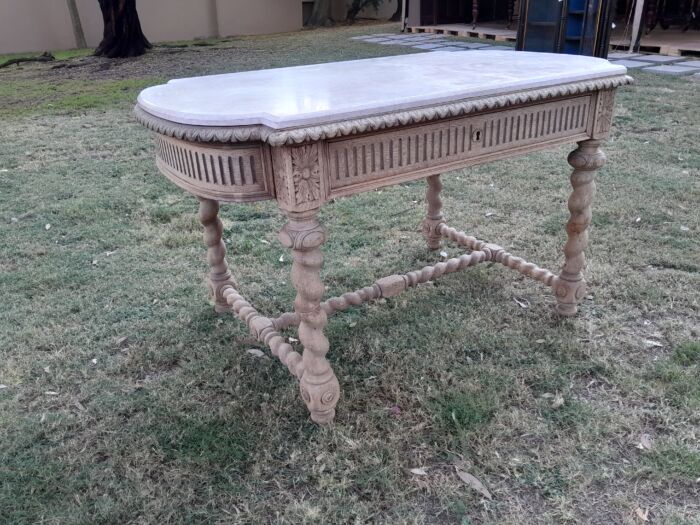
x=571, y=286
x=225, y=173
x=304, y=235
x=302, y=168
x=434, y=218
x=219, y=276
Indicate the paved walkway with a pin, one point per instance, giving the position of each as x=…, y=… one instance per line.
x=664, y=65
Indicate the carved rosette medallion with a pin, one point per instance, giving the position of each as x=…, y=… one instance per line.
x=306, y=174
x=299, y=172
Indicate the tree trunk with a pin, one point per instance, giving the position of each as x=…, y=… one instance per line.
x=77, y=26
x=320, y=14
x=397, y=14
x=123, y=36
x=354, y=9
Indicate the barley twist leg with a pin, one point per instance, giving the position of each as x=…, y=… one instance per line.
x=570, y=286
x=219, y=275
x=320, y=390
x=434, y=218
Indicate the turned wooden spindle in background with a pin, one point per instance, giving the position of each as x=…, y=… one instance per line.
x=219, y=274
x=434, y=217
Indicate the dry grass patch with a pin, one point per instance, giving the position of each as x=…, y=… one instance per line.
x=126, y=400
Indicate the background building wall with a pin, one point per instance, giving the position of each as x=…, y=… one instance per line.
x=34, y=25
x=44, y=25
x=257, y=17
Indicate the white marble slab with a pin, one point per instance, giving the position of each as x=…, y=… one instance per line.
x=319, y=94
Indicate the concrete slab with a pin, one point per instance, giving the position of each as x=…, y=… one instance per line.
x=376, y=40
x=658, y=59
x=428, y=46
x=496, y=48
x=691, y=63
x=673, y=70
x=622, y=55
x=631, y=64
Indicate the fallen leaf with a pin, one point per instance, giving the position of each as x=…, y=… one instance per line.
x=14, y=219
x=650, y=342
x=123, y=341
x=522, y=303
x=47, y=227
x=642, y=514
x=645, y=442
x=292, y=339
x=419, y=472
x=51, y=393
x=4, y=170
x=2, y=387
x=94, y=262
x=558, y=401
x=281, y=258
x=638, y=219
x=264, y=241
x=684, y=228
x=540, y=341
x=257, y=353
x=443, y=255
x=473, y=482
x=489, y=214
x=79, y=405
x=94, y=361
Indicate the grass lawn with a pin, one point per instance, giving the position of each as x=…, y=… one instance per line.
x=125, y=399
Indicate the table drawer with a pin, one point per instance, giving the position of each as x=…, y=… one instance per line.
x=422, y=148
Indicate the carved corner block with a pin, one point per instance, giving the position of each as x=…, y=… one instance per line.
x=300, y=176
x=605, y=102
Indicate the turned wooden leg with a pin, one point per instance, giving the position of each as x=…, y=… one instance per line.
x=304, y=235
x=570, y=286
x=434, y=217
x=216, y=252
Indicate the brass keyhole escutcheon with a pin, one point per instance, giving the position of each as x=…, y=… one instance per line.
x=476, y=135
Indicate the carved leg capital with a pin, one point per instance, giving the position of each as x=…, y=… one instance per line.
x=219, y=276
x=434, y=218
x=570, y=287
x=320, y=390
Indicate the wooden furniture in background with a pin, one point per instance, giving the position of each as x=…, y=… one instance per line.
x=302, y=137
x=576, y=27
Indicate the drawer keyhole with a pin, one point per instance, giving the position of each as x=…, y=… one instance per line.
x=476, y=136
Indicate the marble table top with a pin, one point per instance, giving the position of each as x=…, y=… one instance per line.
x=320, y=94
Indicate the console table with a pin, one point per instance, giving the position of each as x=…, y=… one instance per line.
x=304, y=135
